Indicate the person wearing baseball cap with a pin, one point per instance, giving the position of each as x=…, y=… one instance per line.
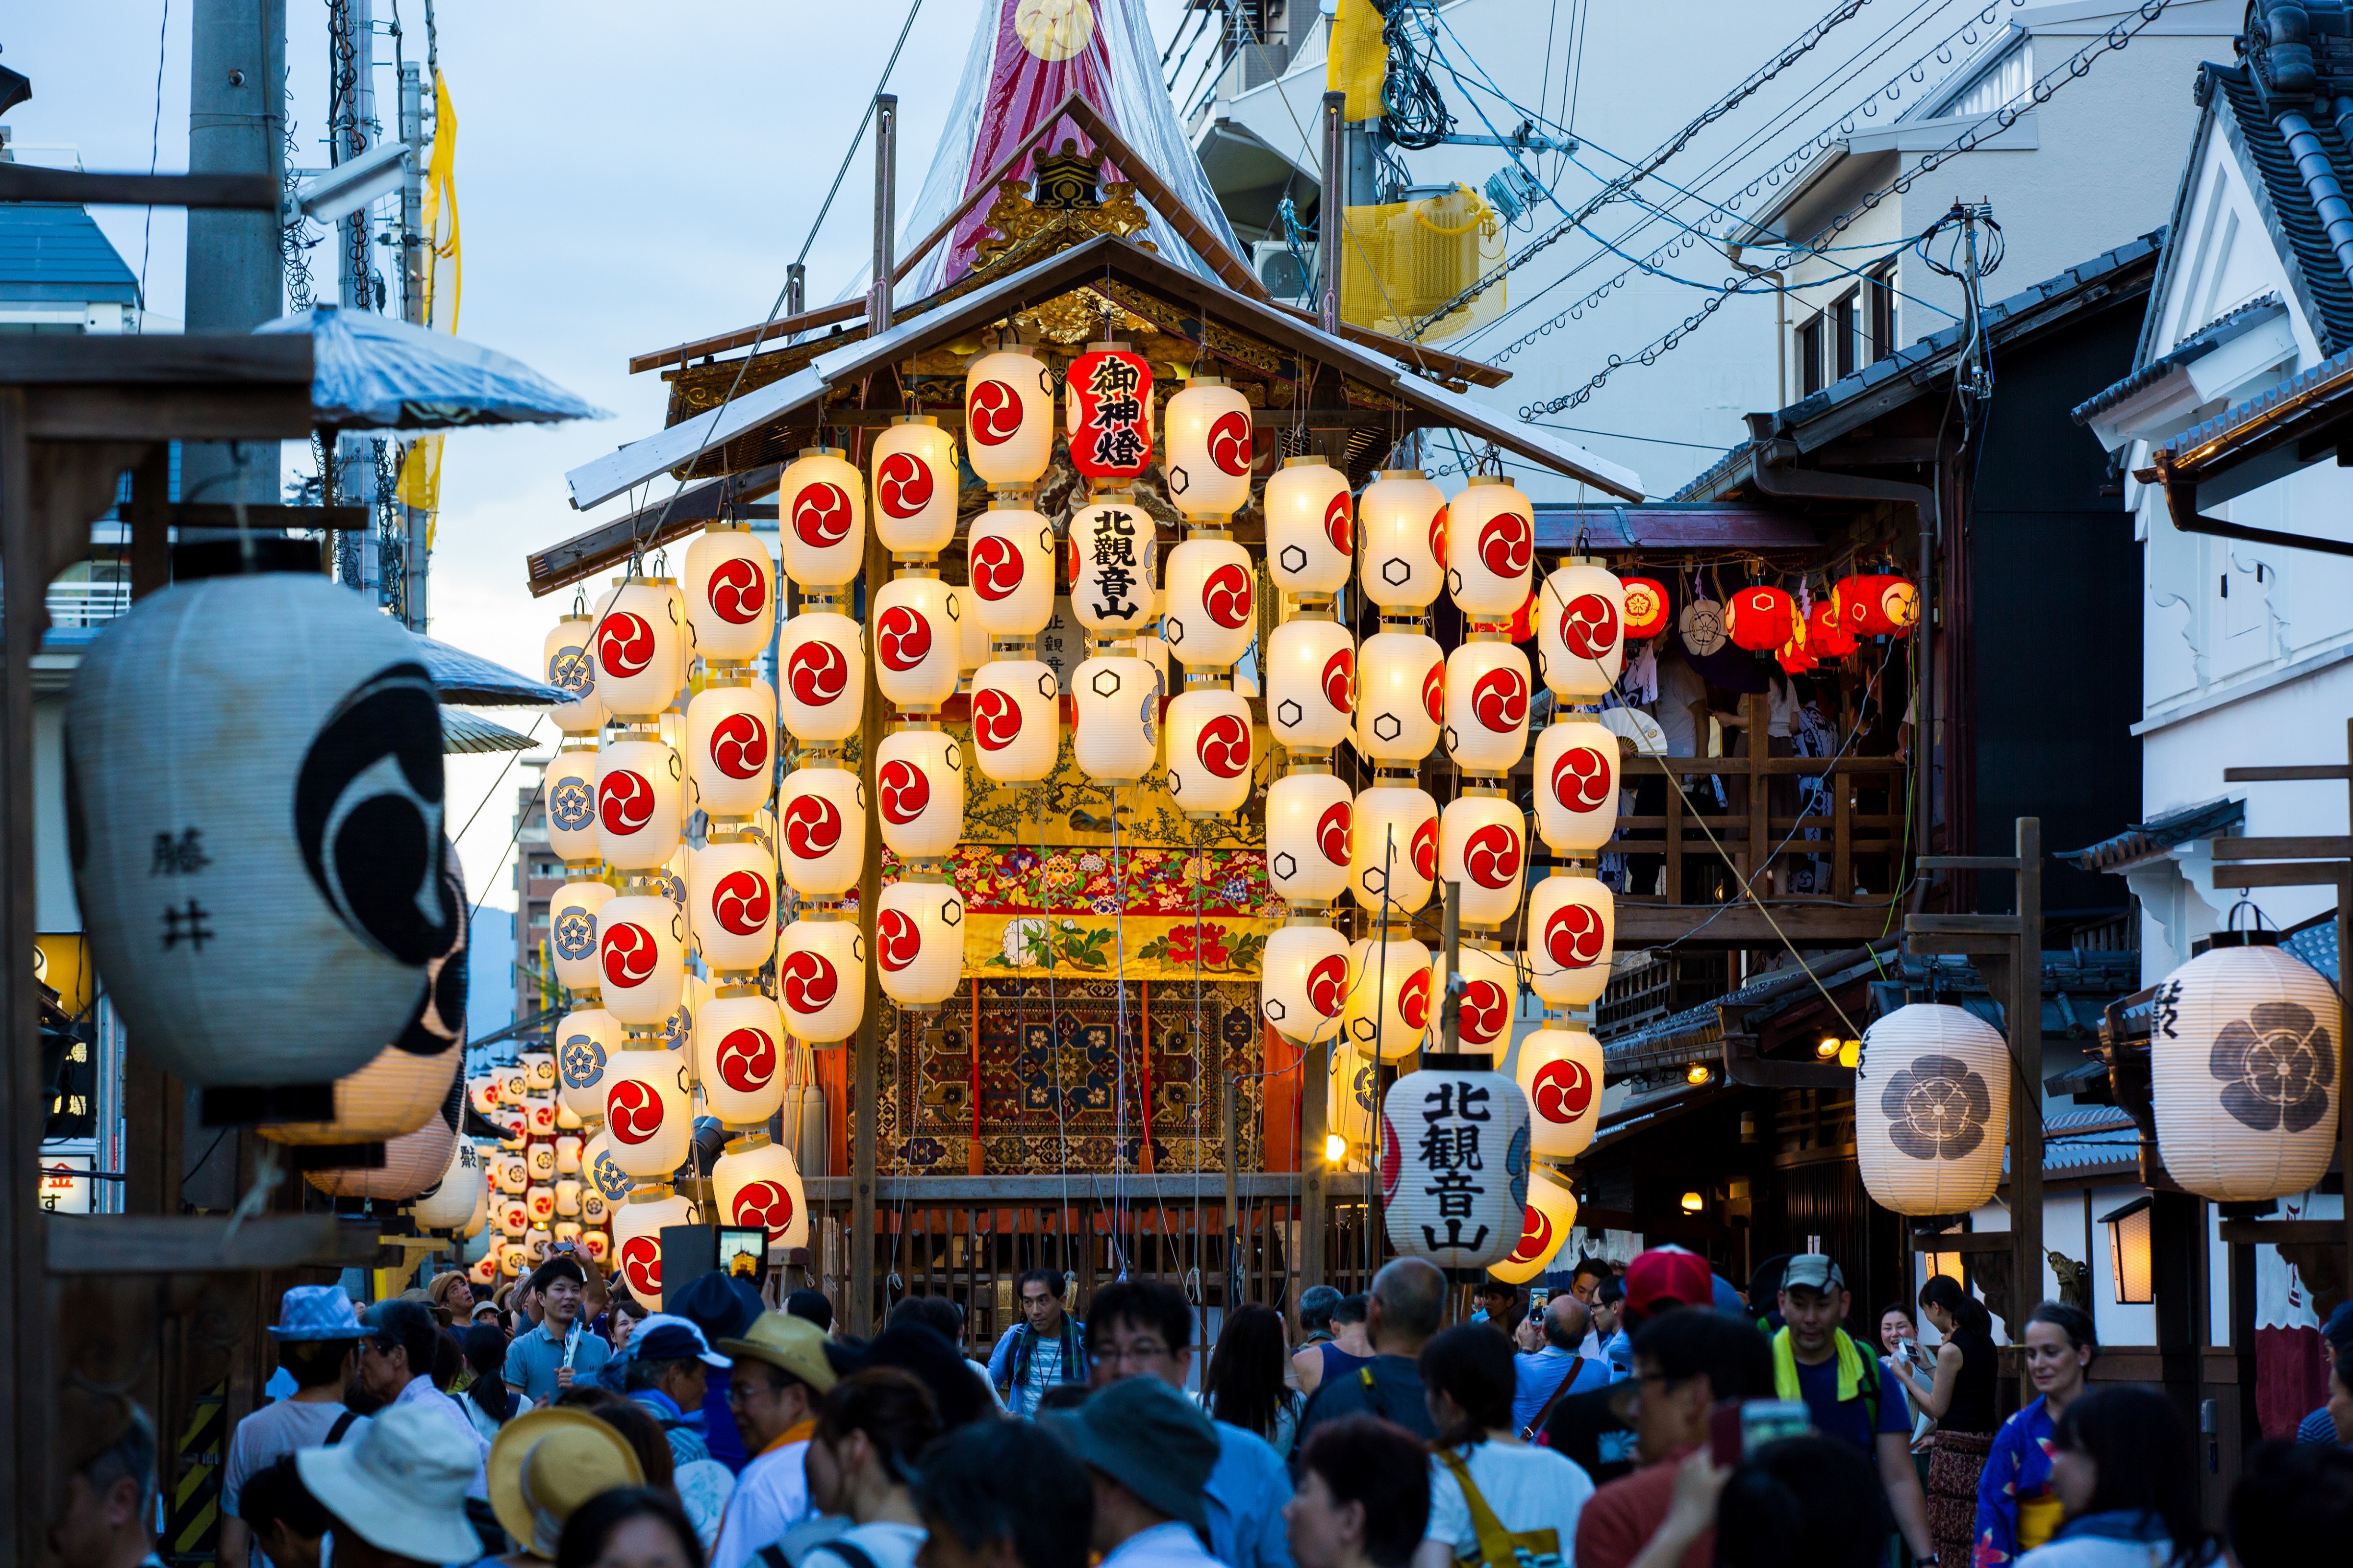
x=1816, y=1361
x=1590, y=1426
x=397, y=1491
x=317, y=1335
x=1149, y=1452
x=779, y=1373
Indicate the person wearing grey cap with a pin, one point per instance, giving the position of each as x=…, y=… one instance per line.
x=1149, y=1454
x=1816, y=1361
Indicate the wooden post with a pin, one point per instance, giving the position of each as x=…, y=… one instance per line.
x=2344, y=1007
x=2025, y=1020
x=865, y=1093
x=1315, y=1196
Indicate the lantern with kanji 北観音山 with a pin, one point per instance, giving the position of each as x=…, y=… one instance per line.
x=1454, y=1164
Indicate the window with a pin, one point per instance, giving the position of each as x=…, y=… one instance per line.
x=1879, y=292
x=2003, y=82
x=1842, y=343
x=1810, y=356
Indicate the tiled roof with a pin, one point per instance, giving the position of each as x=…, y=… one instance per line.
x=2332, y=378
x=2087, y=1137
x=2158, y=834
x=2316, y=944
x=2294, y=184
x=52, y=252
x=2197, y=345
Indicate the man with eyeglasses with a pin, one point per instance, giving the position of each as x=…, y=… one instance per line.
x=780, y=1373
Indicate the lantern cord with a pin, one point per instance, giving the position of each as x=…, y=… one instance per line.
x=266, y=1176
x=521, y=817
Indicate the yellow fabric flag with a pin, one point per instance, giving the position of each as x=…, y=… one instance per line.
x=1356, y=59
x=420, y=470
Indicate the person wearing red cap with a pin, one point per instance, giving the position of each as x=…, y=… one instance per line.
x=1588, y=1427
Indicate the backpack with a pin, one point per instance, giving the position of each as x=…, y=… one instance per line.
x=1498, y=1547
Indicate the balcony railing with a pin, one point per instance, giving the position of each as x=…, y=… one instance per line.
x=79, y=608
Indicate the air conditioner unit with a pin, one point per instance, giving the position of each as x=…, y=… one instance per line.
x=1278, y=269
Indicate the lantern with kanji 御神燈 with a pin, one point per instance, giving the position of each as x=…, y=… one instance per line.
x=1011, y=553
x=1580, y=637
x=390, y=1096
x=1008, y=417
x=731, y=901
x=572, y=934
x=571, y=668
x=916, y=640
x=1016, y=731
x=1116, y=732
x=1486, y=705
x=821, y=828
x=640, y=646
x=1210, y=448
x=1393, y=848
x=584, y=1041
x=1108, y=397
x=1543, y=1228
x=637, y=1226
x=1571, y=929
x=640, y=788
x=1559, y=1072
x=1311, y=527
x=1309, y=817
x=1758, y=618
x=914, y=463
x=731, y=592
x=820, y=979
x=739, y=1046
x=1401, y=696
x=821, y=518
x=1114, y=545
x=1827, y=633
x=2244, y=1060
x=1304, y=980
x=1402, y=562
x=1577, y=786
x=570, y=790
x=755, y=1182
x=731, y=745
x=649, y=1112
x=920, y=784
x=1311, y=682
x=1392, y=997
x=1491, y=996
x=823, y=655
x=919, y=940
x=1208, y=617
x=641, y=950
x=1645, y=607
x=1876, y=604
x=1211, y=750
x=1932, y=1110
x=1491, y=535
x=1482, y=845
x=450, y=1202
x=1454, y=1171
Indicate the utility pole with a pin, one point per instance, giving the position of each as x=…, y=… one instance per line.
x=413, y=521
x=352, y=129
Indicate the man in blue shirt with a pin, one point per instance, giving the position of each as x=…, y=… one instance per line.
x=2335, y=1344
x=558, y=1350
x=1046, y=1349
x=1817, y=1361
x=1557, y=1371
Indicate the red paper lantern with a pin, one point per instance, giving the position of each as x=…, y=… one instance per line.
x=1877, y=606
x=1828, y=636
x=1759, y=617
x=1798, y=655
x=1109, y=397
x=1646, y=606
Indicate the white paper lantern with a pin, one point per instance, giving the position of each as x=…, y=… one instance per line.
x=396, y=1093
x=1209, y=449
x=1008, y=417
x=570, y=790
x=637, y=1240
x=511, y=1259
x=567, y=1148
x=1016, y=731
x=1482, y=844
x=1932, y=1110
x=739, y=1044
x=1116, y=738
x=515, y=1085
x=916, y=642
x=731, y=592
x=1011, y=554
x=595, y=1245
x=641, y=787
x=1577, y=787
x=919, y=781
x=640, y=646
x=1207, y=612
x=2244, y=1063
x=542, y=1208
x=1352, y=1105
x=572, y=934
x=571, y=668
x=821, y=817
x=821, y=518
x=1401, y=696
x=1571, y=932
x=254, y=817
x=607, y=1180
x=1393, y=856
x=914, y=466
x=1304, y=981
x=1559, y=1072
x=567, y=1207
x=513, y=1214
x=824, y=661
x=482, y=1091
x=1403, y=516
x=918, y=941
x=1455, y=1178
x=566, y=1121
x=731, y=907
x=641, y=949
x=1544, y=1229
x=649, y=1113
x=1309, y=527
x=1491, y=538
x=821, y=979
x=1115, y=548
x=759, y=1184
x=1391, y=999
x=1486, y=707
x=413, y=1161
x=510, y=1172
x=452, y=1201
x=584, y=1042
x=731, y=749
x=1311, y=683
x=1310, y=818
x=541, y=1110
x=1211, y=749
x=1491, y=998
x=1581, y=631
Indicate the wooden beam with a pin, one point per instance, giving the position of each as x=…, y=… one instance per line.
x=214, y=514
x=1051, y=1191
x=1962, y=925
x=2285, y=1232
x=2279, y=874
x=249, y=192
x=190, y=413
x=649, y=528
x=204, y=359
x=203, y=1244
x=2338, y=848
x=1810, y=923
x=775, y=332
x=2303, y=773
x=1969, y=862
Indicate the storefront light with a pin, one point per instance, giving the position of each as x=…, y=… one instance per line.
x=2130, y=1252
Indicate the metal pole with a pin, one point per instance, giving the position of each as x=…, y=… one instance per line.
x=886, y=202
x=1315, y=1201
x=795, y=288
x=1449, y=943
x=415, y=522
x=1233, y=1207
x=2026, y=1088
x=350, y=73
x=1331, y=211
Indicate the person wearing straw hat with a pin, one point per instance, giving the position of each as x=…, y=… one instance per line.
x=318, y=1334
x=1149, y=1452
x=397, y=1492
x=545, y=1464
x=780, y=1373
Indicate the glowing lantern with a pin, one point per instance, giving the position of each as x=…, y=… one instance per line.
x=482, y=1091
x=1490, y=998
x=1207, y=463
x=1455, y=1169
x=1404, y=519
x=568, y=1204
x=1393, y=853
x=1303, y=980
x=514, y=1214
x=396, y=1093
x=1401, y=696
x=731, y=906
x=919, y=778
x=1580, y=640
x=1309, y=527
x=1877, y=607
x=739, y=1046
x=1109, y=397
x=449, y=1203
x=542, y=1209
x=567, y=1149
x=1352, y=1107
x=1827, y=633
x=637, y=1240
x=914, y=466
x=1559, y=1072
x=584, y=1042
x=515, y=1085
x=1572, y=928
x=823, y=656
x=1016, y=727
x=916, y=641
x=821, y=817
x=1208, y=615
x=571, y=669
x=1491, y=542
x=541, y=1109
x=1008, y=417
x=918, y=941
x=1577, y=787
x=1932, y=1110
x=572, y=934
x=1210, y=747
x=1645, y=607
x=604, y=1179
x=1796, y=656
x=413, y=1161
x=1116, y=737
x=731, y=592
x=1114, y=546
x=641, y=948
x=1481, y=843
x=821, y=978
x=1311, y=683
x=755, y=1182
x=570, y=789
x=510, y=1172
x=595, y=1245
x=1758, y=618
x=1392, y=998
x=1308, y=820
x=640, y=646
x=649, y=1113
x=1544, y=1229
x=821, y=518
x=731, y=747
x=1486, y=706
x=639, y=790
x=1011, y=550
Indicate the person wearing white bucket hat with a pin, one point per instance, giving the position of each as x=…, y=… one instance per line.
x=397, y=1492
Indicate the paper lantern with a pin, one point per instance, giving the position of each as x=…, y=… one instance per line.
x=1702, y=626
x=542, y=1200
x=1876, y=605
x=731, y=592
x=641, y=646
x=1207, y=463
x=484, y=1270
x=1116, y=737
x=821, y=518
x=570, y=668
x=739, y=1044
x=1115, y=548
x=1311, y=683
x=254, y=817
x=1303, y=980
x=1309, y=819
x=1016, y=731
x=572, y=934
x=510, y=1172
x=515, y=1085
x=584, y=1041
x=824, y=660
x=821, y=818
x=821, y=978
x=413, y=1161
x=567, y=1207
x=641, y=949
x=637, y=1240
x=1011, y=552
x=1577, y=787
x=1544, y=1229
x=1309, y=527
x=1644, y=605
x=1109, y=399
x=1559, y=1072
x=602, y=1177
x=513, y=1214
x=731, y=747
x=640, y=786
x=1454, y=1165
x=755, y=1182
x=1932, y=1110
x=1827, y=633
x=1401, y=696
x=1393, y=855
x=732, y=909
x=1572, y=930
x=918, y=941
x=1758, y=618
x=1210, y=753
x=1796, y=656
x=1482, y=844
x=1392, y=998
x=1352, y=1107
x=395, y=1094
x=1491, y=542
x=511, y=1259
x=482, y=1091
x=1403, y=517
x=1208, y=615
x=1490, y=999
x=569, y=788
x=1580, y=632
x=567, y=1149
x=1487, y=722
x=1008, y=417
x=540, y=1109
x=566, y=1121
x=649, y=1113
x=450, y=1202
x=916, y=641
x=913, y=462
x=595, y=1245
x=2244, y=1062
x=919, y=780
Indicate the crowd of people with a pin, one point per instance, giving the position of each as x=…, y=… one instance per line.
x=1649, y=1418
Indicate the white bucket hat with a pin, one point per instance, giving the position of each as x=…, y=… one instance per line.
x=399, y=1484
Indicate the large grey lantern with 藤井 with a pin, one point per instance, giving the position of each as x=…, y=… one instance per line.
x=253, y=813
x=1454, y=1163
x=1931, y=1110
